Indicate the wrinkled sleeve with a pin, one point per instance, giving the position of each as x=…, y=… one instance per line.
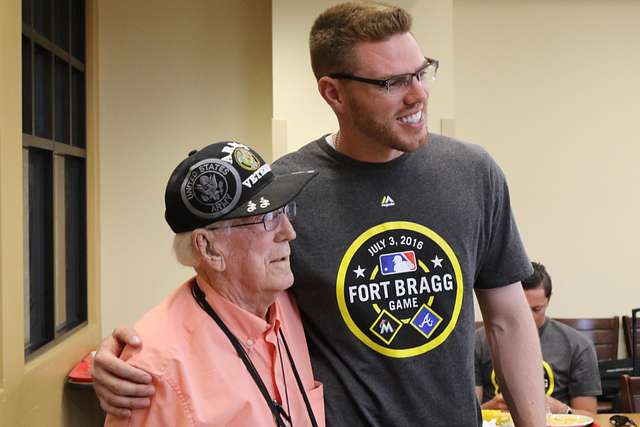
x=168, y=409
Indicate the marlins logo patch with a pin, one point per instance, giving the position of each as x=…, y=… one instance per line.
x=210, y=189
x=399, y=289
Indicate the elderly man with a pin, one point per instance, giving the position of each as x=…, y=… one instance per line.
x=227, y=347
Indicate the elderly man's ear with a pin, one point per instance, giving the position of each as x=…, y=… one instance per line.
x=207, y=251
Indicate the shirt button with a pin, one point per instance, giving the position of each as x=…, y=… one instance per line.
x=249, y=342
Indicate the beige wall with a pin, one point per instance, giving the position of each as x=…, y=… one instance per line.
x=174, y=76
x=299, y=111
x=551, y=90
x=32, y=392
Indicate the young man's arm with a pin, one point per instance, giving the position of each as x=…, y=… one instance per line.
x=585, y=405
x=479, y=393
x=119, y=386
x=515, y=351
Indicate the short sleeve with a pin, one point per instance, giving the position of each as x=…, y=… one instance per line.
x=585, y=376
x=168, y=409
x=504, y=260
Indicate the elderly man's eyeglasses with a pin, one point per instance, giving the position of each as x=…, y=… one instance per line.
x=270, y=220
x=398, y=84
x=621, y=420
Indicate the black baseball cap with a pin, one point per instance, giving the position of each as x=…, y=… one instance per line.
x=226, y=180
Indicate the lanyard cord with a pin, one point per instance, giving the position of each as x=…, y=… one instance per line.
x=284, y=380
x=314, y=423
x=277, y=410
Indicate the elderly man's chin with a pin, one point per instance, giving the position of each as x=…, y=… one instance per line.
x=281, y=274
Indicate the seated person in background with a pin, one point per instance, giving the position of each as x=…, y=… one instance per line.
x=570, y=364
x=227, y=347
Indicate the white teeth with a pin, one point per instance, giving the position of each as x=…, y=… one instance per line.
x=412, y=119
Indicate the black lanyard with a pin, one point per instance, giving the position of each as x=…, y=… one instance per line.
x=277, y=410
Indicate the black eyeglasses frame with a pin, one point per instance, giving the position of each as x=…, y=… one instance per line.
x=386, y=83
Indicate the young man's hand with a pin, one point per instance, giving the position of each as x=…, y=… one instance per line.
x=119, y=386
x=496, y=403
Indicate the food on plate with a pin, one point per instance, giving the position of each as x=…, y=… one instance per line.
x=503, y=419
x=568, y=420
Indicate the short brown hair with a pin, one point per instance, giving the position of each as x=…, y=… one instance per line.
x=335, y=32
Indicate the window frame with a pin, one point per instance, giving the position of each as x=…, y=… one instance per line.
x=58, y=323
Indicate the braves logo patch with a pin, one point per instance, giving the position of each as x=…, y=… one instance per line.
x=210, y=189
x=399, y=289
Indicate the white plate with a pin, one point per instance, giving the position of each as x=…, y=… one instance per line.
x=568, y=420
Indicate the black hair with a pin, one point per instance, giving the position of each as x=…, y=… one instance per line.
x=539, y=278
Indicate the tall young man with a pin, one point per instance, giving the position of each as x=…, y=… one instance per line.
x=413, y=222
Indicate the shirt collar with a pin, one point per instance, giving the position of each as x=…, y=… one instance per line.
x=244, y=324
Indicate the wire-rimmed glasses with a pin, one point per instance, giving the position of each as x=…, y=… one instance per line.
x=270, y=220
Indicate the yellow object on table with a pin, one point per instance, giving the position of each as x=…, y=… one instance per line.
x=502, y=418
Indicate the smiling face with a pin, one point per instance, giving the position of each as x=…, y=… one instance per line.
x=378, y=125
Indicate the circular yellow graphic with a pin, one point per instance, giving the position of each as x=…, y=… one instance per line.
x=549, y=380
x=399, y=289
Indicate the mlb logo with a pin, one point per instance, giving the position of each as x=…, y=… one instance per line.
x=426, y=320
x=398, y=262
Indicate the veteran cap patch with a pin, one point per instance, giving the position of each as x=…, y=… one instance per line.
x=226, y=180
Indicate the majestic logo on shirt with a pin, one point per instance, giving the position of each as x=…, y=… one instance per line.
x=549, y=380
x=210, y=189
x=387, y=201
x=399, y=289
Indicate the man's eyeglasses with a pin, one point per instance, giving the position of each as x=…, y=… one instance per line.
x=621, y=420
x=270, y=220
x=396, y=85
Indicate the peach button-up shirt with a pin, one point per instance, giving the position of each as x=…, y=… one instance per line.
x=198, y=376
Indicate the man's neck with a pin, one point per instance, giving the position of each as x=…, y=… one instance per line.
x=358, y=148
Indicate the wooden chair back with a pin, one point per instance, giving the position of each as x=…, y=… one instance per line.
x=629, y=393
x=602, y=331
x=628, y=334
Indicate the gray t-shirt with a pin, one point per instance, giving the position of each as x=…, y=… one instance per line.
x=570, y=364
x=385, y=262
